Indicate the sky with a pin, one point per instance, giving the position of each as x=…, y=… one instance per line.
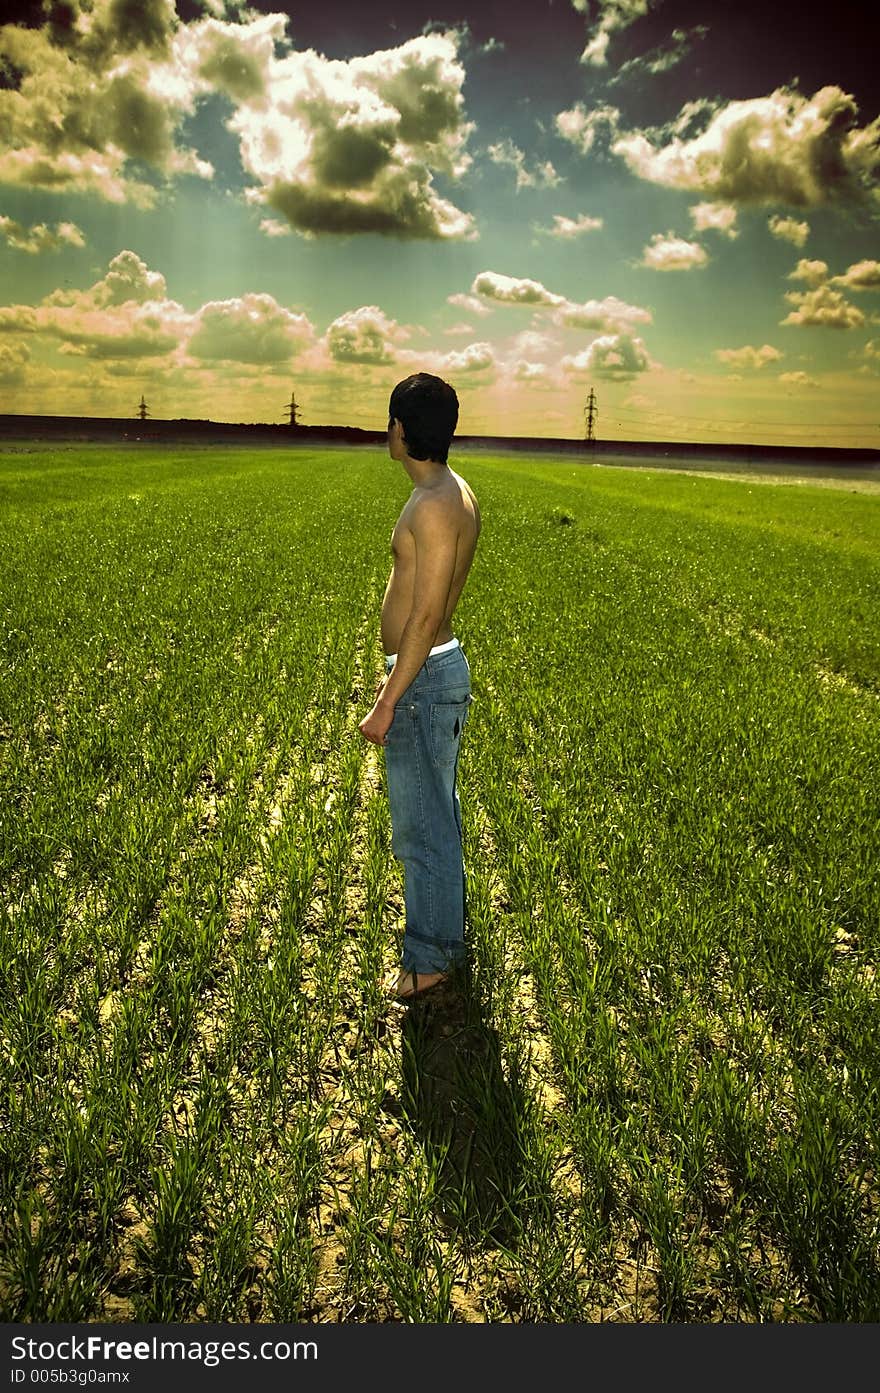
x=676, y=205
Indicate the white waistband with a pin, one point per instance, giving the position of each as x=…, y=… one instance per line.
x=438, y=648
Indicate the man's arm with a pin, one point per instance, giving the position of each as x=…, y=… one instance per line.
x=436, y=544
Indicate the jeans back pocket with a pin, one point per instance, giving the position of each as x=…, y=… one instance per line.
x=448, y=720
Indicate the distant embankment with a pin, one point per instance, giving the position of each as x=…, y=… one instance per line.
x=123, y=429
x=181, y=431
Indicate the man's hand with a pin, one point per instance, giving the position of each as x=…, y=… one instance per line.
x=377, y=722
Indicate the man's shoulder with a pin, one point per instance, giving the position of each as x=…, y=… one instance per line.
x=435, y=509
x=432, y=503
x=453, y=492
x=463, y=486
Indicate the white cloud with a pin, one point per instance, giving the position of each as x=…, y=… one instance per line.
x=364, y=335
x=608, y=315
x=249, y=329
x=14, y=358
x=235, y=59
x=477, y=357
x=524, y=371
x=797, y=379
x=469, y=303
x=128, y=315
x=661, y=58
x=512, y=290
x=617, y=357
x=822, y=307
x=456, y=330
x=812, y=272
x=596, y=51
x=670, y=253
x=334, y=146
x=352, y=146
x=530, y=343
x=582, y=128
x=20, y=319
x=471, y=366
x=125, y=314
x=540, y=176
x=789, y=229
x=715, y=217
x=133, y=332
x=568, y=228
x=467, y=43
x=782, y=148
x=105, y=94
x=128, y=278
x=863, y=275
x=40, y=237
x=614, y=16
x=273, y=228
x=749, y=357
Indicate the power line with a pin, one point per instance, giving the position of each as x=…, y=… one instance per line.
x=655, y=426
x=738, y=420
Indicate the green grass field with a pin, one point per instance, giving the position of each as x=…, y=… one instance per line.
x=658, y=1097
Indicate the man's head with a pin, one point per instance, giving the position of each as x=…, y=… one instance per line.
x=427, y=409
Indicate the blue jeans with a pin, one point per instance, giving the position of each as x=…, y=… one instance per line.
x=421, y=763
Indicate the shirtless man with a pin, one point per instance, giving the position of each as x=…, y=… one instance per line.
x=423, y=701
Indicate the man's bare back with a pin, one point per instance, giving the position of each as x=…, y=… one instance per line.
x=461, y=524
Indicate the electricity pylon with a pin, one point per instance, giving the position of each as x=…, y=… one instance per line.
x=143, y=409
x=591, y=413
x=291, y=411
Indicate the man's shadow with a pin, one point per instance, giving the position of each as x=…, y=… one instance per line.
x=469, y=1118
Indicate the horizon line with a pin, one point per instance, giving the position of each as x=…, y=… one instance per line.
x=289, y=429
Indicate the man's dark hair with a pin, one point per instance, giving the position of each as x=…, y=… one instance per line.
x=427, y=408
